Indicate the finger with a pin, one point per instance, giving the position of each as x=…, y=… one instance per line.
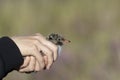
x=39, y=58
x=32, y=63
x=37, y=67
x=47, y=56
x=45, y=60
x=26, y=61
x=49, y=44
x=45, y=51
x=30, y=67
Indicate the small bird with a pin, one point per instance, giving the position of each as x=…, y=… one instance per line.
x=58, y=40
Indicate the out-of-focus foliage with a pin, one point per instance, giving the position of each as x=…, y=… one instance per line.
x=93, y=26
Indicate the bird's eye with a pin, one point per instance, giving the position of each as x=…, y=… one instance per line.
x=59, y=39
x=50, y=38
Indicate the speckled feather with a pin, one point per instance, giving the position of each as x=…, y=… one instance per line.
x=57, y=40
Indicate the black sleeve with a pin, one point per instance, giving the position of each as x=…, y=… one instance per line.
x=10, y=56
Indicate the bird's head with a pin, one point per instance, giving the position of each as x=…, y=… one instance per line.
x=57, y=39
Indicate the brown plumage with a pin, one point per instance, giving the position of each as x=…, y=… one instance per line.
x=57, y=39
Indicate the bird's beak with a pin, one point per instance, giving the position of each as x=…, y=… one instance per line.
x=65, y=41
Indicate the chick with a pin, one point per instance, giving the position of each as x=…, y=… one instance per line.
x=57, y=39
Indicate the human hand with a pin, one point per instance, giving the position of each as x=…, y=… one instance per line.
x=31, y=64
x=32, y=47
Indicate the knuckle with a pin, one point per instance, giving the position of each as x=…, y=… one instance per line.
x=37, y=34
x=33, y=48
x=38, y=37
x=36, y=41
x=50, y=53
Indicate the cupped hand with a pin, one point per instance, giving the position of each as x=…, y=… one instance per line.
x=37, y=52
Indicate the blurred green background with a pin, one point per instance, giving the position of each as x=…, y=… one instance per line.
x=93, y=26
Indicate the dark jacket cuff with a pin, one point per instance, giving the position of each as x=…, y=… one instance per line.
x=10, y=53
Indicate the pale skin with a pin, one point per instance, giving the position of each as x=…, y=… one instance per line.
x=32, y=49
